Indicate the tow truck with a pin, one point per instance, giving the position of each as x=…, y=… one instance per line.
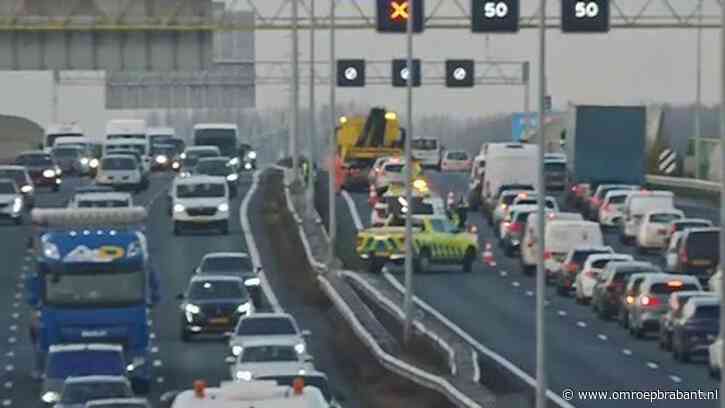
x=436, y=241
x=94, y=282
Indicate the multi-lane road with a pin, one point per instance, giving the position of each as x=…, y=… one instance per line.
x=497, y=307
x=175, y=364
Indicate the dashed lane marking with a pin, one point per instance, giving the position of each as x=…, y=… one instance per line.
x=561, y=313
x=160, y=380
x=652, y=365
x=529, y=293
x=504, y=274
x=154, y=349
x=13, y=327
x=8, y=384
x=15, y=316
x=152, y=336
x=581, y=324
x=26, y=267
x=602, y=337
x=16, y=304
x=18, y=295
x=515, y=284
x=7, y=403
x=627, y=352
x=675, y=379
x=157, y=363
x=10, y=354
x=9, y=367
x=12, y=340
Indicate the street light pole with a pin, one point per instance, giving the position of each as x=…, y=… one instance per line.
x=698, y=94
x=294, y=122
x=313, y=130
x=408, y=301
x=527, y=96
x=332, y=213
x=541, y=199
x=722, y=188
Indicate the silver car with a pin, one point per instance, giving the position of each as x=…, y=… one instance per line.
x=652, y=300
x=269, y=356
x=261, y=326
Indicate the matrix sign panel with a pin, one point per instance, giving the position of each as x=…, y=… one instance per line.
x=400, y=72
x=591, y=16
x=393, y=15
x=459, y=73
x=495, y=16
x=351, y=73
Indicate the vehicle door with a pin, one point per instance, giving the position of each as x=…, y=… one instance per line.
x=442, y=248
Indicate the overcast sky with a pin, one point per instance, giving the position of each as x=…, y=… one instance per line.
x=621, y=67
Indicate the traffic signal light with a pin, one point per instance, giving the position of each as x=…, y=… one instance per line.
x=400, y=72
x=393, y=15
x=459, y=73
x=495, y=16
x=591, y=16
x=351, y=73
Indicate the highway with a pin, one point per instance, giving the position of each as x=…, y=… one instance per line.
x=497, y=307
x=175, y=364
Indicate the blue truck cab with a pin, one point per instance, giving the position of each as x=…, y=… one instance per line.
x=94, y=283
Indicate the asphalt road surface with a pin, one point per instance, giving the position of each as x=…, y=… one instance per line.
x=497, y=307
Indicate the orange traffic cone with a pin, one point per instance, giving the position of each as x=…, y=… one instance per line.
x=372, y=196
x=488, y=257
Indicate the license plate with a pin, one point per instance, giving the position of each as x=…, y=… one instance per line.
x=219, y=320
x=701, y=262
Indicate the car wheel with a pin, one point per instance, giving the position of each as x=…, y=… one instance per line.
x=177, y=228
x=18, y=220
x=636, y=332
x=623, y=319
x=468, y=260
x=508, y=249
x=602, y=314
x=375, y=266
x=141, y=387
x=561, y=290
x=56, y=188
x=423, y=261
x=224, y=228
x=713, y=371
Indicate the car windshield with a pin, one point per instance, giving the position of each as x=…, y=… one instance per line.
x=219, y=289
x=581, y=256
x=7, y=188
x=159, y=139
x=227, y=263
x=34, y=160
x=16, y=175
x=708, y=312
x=703, y=244
x=101, y=286
x=316, y=381
x=622, y=274
x=664, y=218
x=258, y=354
x=601, y=263
x=66, y=152
x=521, y=217
x=617, y=199
x=138, y=148
x=555, y=167
x=200, y=190
x=680, y=226
x=393, y=168
x=118, y=163
x=63, y=364
x=424, y=144
x=508, y=198
x=166, y=150
x=213, y=167
x=266, y=326
x=82, y=392
x=665, y=289
x=457, y=156
x=103, y=203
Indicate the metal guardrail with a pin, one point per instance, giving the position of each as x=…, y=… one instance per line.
x=683, y=183
x=387, y=360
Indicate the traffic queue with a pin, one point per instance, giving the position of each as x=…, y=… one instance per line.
x=94, y=283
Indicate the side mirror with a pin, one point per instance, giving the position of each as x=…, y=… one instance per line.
x=230, y=360
x=195, y=271
x=306, y=333
x=180, y=296
x=259, y=270
x=167, y=399
x=308, y=358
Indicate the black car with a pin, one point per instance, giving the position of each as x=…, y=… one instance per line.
x=22, y=179
x=162, y=156
x=699, y=252
x=676, y=304
x=213, y=304
x=219, y=166
x=70, y=159
x=696, y=328
x=232, y=264
x=42, y=169
x=609, y=290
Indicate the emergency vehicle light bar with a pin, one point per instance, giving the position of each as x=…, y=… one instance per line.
x=87, y=217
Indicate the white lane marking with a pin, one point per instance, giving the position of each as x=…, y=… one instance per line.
x=7, y=402
x=529, y=293
x=164, y=188
x=252, y=246
x=150, y=322
x=13, y=327
x=515, y=284
x=675, y=379
x=154, y=349
x=160, y=380
x=627, y=352
x=20, y=285
x=26, y=268
x=353, y=210
x=157, y=363
x=581, y=324
x=652, y=365
x=602, y=337
x=152, y=335
x=547, y=303
x=28, y=258
x=10, y=354
x=16, y=305
x=561, y=313
x=9, y=367
x=8, y=384
x=18, y=295
x=504, y=274
x=476, y=368
x=15, y=316
x=12, y=340
x=508, y=365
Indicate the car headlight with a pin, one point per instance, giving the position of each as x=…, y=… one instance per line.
x=247, y=166
x=244, y=375
x=17, y=204
x=94, y=163
x=26, y=188
x=192, y=308
x=133, y=250
x=244, y=307
x=84, y=161
x=252, y=155
x=183, y=156
x=179, y=208
x=236, y=350
x=50, y=397
x=300, y=348
x=234, y=161
x=175, y=165
x=232, y=177
x=136, y=363
x=223, y=207
x=50, y=250
x=252, y=282
x=161, y=159
x=48, y=173
x=58, y=170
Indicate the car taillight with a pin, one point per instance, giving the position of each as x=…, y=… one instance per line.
x=507, y=226
x=590, y=274
x=516, y=227
x=629, y=299
x=649, y=301
x=572, y=267
x=673, y=229
x=547, y=255
x=596, y=201
x=683, y=256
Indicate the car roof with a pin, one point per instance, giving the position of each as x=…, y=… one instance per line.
x=593, y=248
x=12, y=167
x=214, y=158
x=201, y=148
x=268, y=315
x=201, y=178
x=572, y=223
x=215, y=126
x=33, y=153
x=261, y=341
x=665, y=211
x=699, y=293
x=59, y=348
x=664, y=277
x=123, y=141
x=226, y=255
x=630, y=264
x=96, y=378
x=613, y=256
x=115, y=195
x=111, y=401
x=7, y=181
x=688, y=220
x=704, y=300
x=215, y=278
x=701, y=229
x=118, y=156
x=619, y=192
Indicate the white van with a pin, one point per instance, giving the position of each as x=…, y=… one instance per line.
x=126, y=129
x=508, y=163
x=428, y=151
x=530, y=240
x=639, y=203
x=562, y=236
x=54, y=131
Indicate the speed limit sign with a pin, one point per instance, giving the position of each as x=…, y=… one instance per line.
x=490, y=16
x=585, y=16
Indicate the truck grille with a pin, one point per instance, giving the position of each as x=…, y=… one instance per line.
x=201, y=211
